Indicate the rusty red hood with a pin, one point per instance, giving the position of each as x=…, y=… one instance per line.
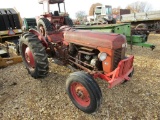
x=95, y=39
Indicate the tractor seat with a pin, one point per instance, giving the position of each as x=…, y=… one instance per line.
x=56, y=13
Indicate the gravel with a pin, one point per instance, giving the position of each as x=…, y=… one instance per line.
x=22, y=97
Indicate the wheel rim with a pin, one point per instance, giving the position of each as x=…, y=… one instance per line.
x=42, y=31
x=80, y=94
x=28, y=56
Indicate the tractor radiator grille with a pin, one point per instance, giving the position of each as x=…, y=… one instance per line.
x=117, y=57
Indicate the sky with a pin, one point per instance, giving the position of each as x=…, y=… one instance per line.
x=31, y=8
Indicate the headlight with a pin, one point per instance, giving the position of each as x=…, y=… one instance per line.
x=102, y=56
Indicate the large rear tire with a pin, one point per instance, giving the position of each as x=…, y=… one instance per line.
x=84, y=92
x=33, y=55
x=44, y=27
x=68, y=21
x=113, y=21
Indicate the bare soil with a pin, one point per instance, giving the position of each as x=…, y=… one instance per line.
x=23, y=97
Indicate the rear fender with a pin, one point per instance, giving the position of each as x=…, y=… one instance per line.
x=40, y=37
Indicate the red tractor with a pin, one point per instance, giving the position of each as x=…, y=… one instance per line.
x=52, y=19
x=94, y=54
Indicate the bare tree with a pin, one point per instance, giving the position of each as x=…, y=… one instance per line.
x=91, y=10
x=139, y=7
x=81, y=15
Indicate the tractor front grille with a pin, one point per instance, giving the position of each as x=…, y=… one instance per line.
x=117, y=57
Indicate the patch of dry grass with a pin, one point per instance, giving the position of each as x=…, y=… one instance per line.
x=46, y=98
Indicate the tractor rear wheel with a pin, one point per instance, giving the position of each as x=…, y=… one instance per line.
x=83, y=91
x=33, y=55
x=45, y=27
x=113, y=21
x=68, y=21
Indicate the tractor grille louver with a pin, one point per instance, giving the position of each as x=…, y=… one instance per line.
x=117, y=57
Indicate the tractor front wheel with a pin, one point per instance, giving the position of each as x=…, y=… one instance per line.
x=83, y=91
x=33, y=55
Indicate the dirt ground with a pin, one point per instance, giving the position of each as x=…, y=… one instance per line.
x=22, y=97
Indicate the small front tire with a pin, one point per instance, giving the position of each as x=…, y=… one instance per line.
x=84, y=92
